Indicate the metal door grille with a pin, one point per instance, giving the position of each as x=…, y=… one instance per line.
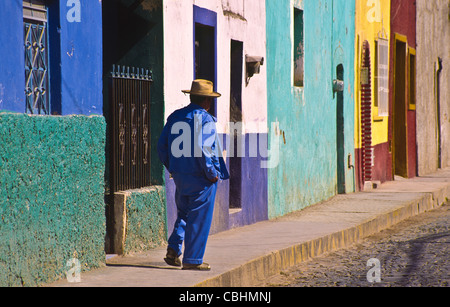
x=36, y=58
x=130, y=121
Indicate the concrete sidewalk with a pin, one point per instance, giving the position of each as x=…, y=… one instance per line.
x=246, y=255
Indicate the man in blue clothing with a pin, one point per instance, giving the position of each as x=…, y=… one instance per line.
x=189, y=149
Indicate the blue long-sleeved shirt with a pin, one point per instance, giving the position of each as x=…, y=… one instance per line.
x=189, y=145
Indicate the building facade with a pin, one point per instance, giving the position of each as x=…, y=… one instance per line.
x=319, y=98
x=433, y=89
x=223, y=41
x=52, y=136
x=309, y=46
x=402, y=89
x=372, y=67
x=133, y=100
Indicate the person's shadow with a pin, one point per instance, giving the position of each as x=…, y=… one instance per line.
x=161, y=265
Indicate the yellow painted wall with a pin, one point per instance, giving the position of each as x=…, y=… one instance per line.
x=372, y=21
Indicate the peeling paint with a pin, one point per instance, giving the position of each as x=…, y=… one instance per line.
x=151, y=5
x=234, y=15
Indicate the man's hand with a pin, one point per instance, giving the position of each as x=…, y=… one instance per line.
x=215, y=179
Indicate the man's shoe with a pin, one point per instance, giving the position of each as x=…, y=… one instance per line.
x=197, y=267
x=172, y=257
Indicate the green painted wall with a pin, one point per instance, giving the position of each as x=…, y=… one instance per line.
x=307, y=169
x=51, y=196
x=146, y=219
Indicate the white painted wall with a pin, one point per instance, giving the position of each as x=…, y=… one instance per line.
x=178, y=57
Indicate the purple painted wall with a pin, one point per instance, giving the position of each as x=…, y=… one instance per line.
x=254, y=195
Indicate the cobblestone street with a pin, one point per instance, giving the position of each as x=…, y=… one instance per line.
x=413, y=253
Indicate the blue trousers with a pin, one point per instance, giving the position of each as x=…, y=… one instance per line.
x=194, y=198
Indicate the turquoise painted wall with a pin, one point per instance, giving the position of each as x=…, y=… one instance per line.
x=51, y=196
x=307, y=169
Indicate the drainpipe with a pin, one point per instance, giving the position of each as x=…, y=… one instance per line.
x=437, y=78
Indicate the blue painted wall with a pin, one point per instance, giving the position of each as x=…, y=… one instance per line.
x=253, y=187
x=53, y=167
x=12, y=63
x=75, y=58
x=254, y=195
x=307, y=170
x=253, y=179
x=81, y=60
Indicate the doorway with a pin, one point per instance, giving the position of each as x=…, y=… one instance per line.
x=131, y=107
x=340, y=140
x=205, y=55
x=235, y=159
x=437, y=89
x=400, y=153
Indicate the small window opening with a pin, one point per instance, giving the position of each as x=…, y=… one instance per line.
x=299, y=51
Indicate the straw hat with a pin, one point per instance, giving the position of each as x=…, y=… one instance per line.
x=202, y=87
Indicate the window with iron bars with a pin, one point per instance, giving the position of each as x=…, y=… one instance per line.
x=36, y=57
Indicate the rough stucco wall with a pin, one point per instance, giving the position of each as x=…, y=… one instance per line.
x=146, y=219
x=433, y=41
x=51, y=196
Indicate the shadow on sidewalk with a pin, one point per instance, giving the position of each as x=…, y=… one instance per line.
x=143, y=265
